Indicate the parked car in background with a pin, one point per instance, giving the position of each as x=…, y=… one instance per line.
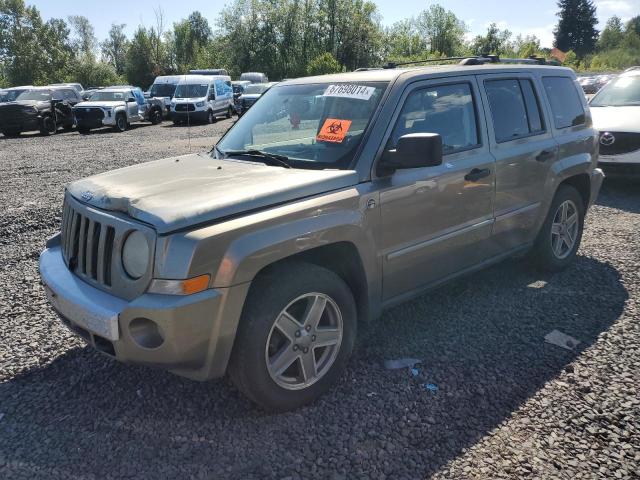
x=616, y=115
x=238, y=89
x=162, y=90
x=39, y=108
x=10, y=94
x=210, y=71
x=254, y=77
x=90, y=91
x=262, y=257
x=116, y=107
x=202, y=98
x=250, y=95
x=76, y=86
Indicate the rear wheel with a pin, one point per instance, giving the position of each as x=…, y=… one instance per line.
x=297, y=331
x=156, y=116
x=560, y=235
x=48, y=126
x=121, y=122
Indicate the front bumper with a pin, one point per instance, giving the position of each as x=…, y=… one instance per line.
x=626, y=164
x=597, y=177
x=196, y=332
x=197, y=115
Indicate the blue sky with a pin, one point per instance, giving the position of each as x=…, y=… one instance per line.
x=533, y=17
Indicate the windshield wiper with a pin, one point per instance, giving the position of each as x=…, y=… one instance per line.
x=266, y=158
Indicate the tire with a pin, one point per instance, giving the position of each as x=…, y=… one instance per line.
x=211, y=118
x=229, y=113
x=121, y=123
x=68, y=126
x=84, y=130
x=292, y=287
x=556, y=231
x=11, y=133
x=156, y=117
x=48, y=126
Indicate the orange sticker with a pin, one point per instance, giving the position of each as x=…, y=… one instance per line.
x=334, y=130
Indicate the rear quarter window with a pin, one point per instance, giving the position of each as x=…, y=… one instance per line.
x=565, y=102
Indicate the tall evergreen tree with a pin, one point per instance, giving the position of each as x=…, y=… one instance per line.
x=576, y=29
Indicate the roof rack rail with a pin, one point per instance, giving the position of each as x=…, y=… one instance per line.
x=476, y=60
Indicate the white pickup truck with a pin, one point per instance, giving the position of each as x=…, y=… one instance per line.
x=117, y=107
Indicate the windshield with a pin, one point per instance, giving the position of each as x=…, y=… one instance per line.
x=162, y=89
x=316, y=126
x=101, y=96
x=255, y=88
x=621, y=92
x=191, y=90
x=40, y=95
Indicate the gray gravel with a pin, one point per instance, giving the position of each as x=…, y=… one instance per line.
x=507, y=404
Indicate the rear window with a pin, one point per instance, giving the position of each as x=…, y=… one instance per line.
x=514, y=108
x=565, y=102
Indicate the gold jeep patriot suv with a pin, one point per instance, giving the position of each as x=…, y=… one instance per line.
x=331, y=199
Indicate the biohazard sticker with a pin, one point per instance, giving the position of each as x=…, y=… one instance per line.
x=359, y=92
x=334, y=130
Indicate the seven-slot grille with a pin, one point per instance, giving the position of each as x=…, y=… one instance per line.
x=88, y=113
x=87, y=245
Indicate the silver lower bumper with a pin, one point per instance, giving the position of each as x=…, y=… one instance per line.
x=90, y=308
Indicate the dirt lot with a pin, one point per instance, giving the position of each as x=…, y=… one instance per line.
x=507, y=404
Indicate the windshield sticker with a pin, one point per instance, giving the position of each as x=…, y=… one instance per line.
x=334, y=130
x=359, y=92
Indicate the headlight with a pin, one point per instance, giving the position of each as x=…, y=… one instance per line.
x=200, y=104
x=135, y=255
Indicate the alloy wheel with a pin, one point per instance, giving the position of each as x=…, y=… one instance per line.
x=304, y=341
x=564, y=229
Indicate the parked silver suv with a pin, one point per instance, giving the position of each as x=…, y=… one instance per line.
x=333, y=198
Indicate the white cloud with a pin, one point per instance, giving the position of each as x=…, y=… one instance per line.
x=606, y=8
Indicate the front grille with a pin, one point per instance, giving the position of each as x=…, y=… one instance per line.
x=88, y=113
x=623, y=142
x=87, y=246
x=91, y=243
x=182, y=107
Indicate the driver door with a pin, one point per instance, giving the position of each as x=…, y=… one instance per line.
x=132, y=107
x=436, y=221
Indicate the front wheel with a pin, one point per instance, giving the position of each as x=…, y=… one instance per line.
x=229, y=112
x=121, y=123
x=48, y=126
x=211, y=118
x=561, y=233
x=295, y=336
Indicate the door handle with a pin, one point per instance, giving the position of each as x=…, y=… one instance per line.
x=545, y=155
x=476, y=174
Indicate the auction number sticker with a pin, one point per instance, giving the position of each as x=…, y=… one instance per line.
x=333, y=130
x=359, y=92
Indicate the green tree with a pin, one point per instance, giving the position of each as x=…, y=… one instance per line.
x=323, y=64
x=576, y=29
x=404, y=39
x=495, y=42
x=612, y=35
x=443, y=31
x=90, y=72
x=84, y=41
x=189, y=38
x=529, y=46
x=114, y=48
x=139, y=68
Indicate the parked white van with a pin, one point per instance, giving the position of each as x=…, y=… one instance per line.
x=202, y=98
x=163, y=88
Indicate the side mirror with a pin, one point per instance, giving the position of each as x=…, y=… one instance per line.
x=414, y=150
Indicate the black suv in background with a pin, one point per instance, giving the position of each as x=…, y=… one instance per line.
x=45, y=109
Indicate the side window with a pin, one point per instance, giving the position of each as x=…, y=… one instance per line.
x=514, y=108
x=444, y=109
x=565, y=102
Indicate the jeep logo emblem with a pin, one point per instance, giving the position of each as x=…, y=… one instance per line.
x=607, y=139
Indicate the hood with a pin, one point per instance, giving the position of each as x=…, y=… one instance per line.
x=616, y=119
x=179, y=192
x=98, y=104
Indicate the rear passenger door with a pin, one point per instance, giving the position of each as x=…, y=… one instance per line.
x=436, y=221
x=524, y=148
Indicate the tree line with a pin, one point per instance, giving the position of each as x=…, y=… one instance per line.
x=284, y=39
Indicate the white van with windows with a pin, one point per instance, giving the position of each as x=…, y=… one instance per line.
x=202, y=98
x=163, y=88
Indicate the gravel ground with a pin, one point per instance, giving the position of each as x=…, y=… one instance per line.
x=507, y=404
